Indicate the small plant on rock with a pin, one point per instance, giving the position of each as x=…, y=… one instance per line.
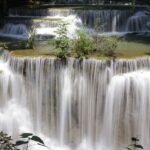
x=26, y=138
x=135, y=144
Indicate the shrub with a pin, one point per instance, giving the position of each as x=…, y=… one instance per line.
x=98, y=26
x=6, y=142
x=62, y=40
x=106, y=46
x=82, y=45
x=109, y=47
x=30, y=42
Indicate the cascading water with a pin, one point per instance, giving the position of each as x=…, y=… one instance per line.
x=126, y=109
x=14, y=117
x=46, y=20
x=65, y=109
x=113, y=20
x=17, y=31
x=81, y=105
x=139, y=22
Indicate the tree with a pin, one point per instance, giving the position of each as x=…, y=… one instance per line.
x=62, y=40
x=82, y=45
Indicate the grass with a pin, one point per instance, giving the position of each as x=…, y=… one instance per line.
x=132, y=49
x=30, y=53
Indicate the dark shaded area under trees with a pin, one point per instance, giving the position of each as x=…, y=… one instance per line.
x=6, y=4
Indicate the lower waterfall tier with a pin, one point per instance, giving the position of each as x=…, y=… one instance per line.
x=76, y=105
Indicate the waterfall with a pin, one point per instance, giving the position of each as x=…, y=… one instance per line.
x=113, y=20
x=65, y=109
x=81, y=105
x=139, y=22
x=18, y=31
x=45, y=21
x=127, y=106
x=14, y=116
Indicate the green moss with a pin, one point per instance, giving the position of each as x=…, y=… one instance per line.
x=126, y=49
x=30, y=53
x=132, y=49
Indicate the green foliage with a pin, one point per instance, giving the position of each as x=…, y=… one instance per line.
x=30, y=42
x=106, y=46
x=26, y=135
x=18, y=143
x=3, y=45
x=82, y=45
x=133, y=4
x=134, y=146
x=98, y=26
x=6, y=142
x=62, y=40
x=26, y=138
x=109, y=46
x=103, y=45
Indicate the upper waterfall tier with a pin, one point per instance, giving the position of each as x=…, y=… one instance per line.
x=114, y=21
x=111, y=20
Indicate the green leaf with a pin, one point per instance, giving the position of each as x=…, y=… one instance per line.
x=37, y=139
x=26, y=135
x=41, y=144
x=134, y=139
x=138, y=146
x=18, y=143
